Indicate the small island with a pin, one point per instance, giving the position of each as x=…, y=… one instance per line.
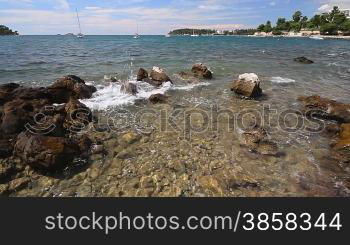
x=5, y=31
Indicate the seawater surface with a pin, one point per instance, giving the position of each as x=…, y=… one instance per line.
x=302, y=171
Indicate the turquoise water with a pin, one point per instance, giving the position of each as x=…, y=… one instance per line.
x=39, y=60
x=44, y=58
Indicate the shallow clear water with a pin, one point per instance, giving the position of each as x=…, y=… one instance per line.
x=39, y=60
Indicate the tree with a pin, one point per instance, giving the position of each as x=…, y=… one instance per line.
x=297, y=16
x=329, y=29
x=315, y=21
x=268, y=27
x=261, y=27
x=277, y=32
x=4, y=30
x=282, y=24
x=294, y=26
x=303, y=22
x=324, y=19
x=345, y=27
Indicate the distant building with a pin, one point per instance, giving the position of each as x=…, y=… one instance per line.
x=346, y=12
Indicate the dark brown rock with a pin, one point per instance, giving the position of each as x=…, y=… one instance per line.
x=46, y=152
x=326, y=108
x=78, y=116
x=6, y=148
x=303, y=60
x=343, y=141
x=6, y=92
x=158, y=98
x=202, y=71
x=70, y=86
x=142, y=74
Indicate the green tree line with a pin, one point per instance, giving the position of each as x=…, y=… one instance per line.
x=188, y=31
x=4, y=30
x=327, y=24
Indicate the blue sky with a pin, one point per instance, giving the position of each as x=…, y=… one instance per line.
x=152, y=16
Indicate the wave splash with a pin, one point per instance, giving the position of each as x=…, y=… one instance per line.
x=110, y=95
x=282, y=80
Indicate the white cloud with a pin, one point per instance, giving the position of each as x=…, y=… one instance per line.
x=152, y=20
x=272, y=3
x=324, y=7
x=328, y=5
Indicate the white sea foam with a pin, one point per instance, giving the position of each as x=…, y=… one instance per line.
x=189, y=87
x=110, y=96
x=282, y=80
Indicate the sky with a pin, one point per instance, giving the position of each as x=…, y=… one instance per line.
x=117, y=17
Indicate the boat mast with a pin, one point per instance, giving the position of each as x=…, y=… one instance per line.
x=78, y=21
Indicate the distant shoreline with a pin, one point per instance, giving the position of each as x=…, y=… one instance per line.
x=254, y=36
x=296, y=36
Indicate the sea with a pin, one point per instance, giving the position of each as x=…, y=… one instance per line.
x=40, y=60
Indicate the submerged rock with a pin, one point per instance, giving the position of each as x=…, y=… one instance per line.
x=256, y=140
x=248, y=85
x=129, y=88
x=326, y=108
x=343, y=141
x=199, y=71
x=158, y=98
x=303, y=60
x=202, y=71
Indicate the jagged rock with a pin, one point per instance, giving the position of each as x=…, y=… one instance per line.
x=158, y=76
x=142, y=74
x=6, y=148
x=15, y=115
x=46, y=152
x=343, y=141
x=201, y=71
x=326, y=108
x=6, y=92
x=78, y=116
x=129, y=88
x=70, y=86
x=303, y=60
x=248, y=85
x=158, y=98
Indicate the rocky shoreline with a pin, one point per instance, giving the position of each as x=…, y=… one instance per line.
x=51, y=146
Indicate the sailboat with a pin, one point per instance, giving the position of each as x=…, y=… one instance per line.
x=80, y=34
x=137, y=33
x=194, y=35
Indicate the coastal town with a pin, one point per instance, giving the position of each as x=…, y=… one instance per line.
x=332, y=24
